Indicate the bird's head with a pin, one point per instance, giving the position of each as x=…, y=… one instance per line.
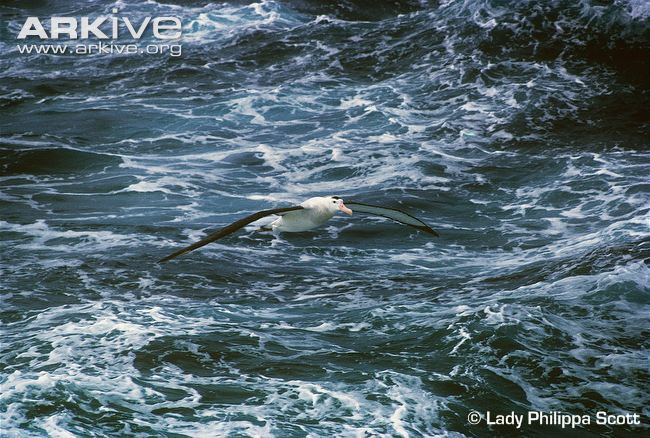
x=334, y=203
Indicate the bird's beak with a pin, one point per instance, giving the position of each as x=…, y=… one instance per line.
x=344, y=209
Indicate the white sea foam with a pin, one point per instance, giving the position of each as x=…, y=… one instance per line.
x=535, y=234
x=42, y=233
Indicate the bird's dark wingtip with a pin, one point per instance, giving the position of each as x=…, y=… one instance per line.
x=163, y=260
x=172, y=256
x=431, y=231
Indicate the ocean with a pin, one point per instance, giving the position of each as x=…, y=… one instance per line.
x=519, y=130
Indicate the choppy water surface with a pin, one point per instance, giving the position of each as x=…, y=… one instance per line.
x=519, y=130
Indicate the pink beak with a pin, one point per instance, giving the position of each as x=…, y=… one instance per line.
x=344, y=209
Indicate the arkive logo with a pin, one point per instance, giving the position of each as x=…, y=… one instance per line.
x=103, y=28
x=100, y=35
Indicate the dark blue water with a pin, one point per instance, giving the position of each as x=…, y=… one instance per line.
x=519, y=130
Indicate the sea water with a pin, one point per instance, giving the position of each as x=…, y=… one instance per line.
x=518, y=130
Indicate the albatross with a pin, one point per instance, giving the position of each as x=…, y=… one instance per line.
x=312, y=213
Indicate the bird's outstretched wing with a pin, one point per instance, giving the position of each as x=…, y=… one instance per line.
x=229, y=229
x=391, y=213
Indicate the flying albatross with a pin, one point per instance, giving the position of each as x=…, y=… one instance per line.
x=306, y=216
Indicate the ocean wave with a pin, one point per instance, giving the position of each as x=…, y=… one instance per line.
x=518, y=130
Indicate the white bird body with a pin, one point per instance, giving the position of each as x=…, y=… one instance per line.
x=316, y=212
